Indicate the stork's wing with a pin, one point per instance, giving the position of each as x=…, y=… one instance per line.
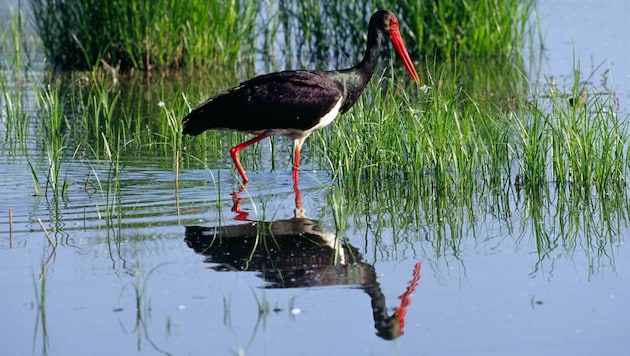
x=283, y=100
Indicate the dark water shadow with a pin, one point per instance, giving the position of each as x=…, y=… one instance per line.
x=295, y=253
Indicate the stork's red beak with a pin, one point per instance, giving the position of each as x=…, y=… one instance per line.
x=399, y=45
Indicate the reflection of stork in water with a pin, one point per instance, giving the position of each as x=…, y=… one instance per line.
x=292, y=253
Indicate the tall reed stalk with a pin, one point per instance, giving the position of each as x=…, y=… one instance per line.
x=54, y=134
x=14, y=108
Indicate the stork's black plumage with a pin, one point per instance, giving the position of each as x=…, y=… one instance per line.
x=295, y=103
x=290, y=100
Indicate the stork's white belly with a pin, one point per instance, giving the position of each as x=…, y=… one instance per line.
x=297, y=133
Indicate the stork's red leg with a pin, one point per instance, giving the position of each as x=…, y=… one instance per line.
x=297, y=144
x=236, y=149
x=296, y=165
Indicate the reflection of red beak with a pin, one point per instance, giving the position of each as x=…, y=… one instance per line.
x=399, y=45
x=405, y=298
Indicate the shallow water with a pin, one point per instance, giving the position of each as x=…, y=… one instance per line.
x=592, y=34
x=128, y=277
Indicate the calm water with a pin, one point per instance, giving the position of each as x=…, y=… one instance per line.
x=127, y=277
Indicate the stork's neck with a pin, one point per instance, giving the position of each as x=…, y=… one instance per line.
x=357, y=77
x=372, y=53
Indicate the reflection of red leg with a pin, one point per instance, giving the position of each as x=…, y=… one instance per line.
x=405, y=298
x=236, y=149
x=236, y=208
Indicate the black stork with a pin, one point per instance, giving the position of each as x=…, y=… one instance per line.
x=295, y=103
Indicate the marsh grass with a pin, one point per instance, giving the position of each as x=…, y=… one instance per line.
x=458, y=135
x=98, y=117
x=199, y=34
x=573, y=138
x=97, y=114
x=16, y=40
x=300, y=33
x=80, y=34
x=443, y=138
x=466, y=29
x=54, y=135
x=111, y=190
x=14, y=111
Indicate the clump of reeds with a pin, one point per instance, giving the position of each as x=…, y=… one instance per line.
x=79, y=34
x=573, y=136
x=449, y=136
x=144, y=35
x=332, y=34
x=480, y=29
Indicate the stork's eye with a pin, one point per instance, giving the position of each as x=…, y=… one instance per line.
x=393, y=23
